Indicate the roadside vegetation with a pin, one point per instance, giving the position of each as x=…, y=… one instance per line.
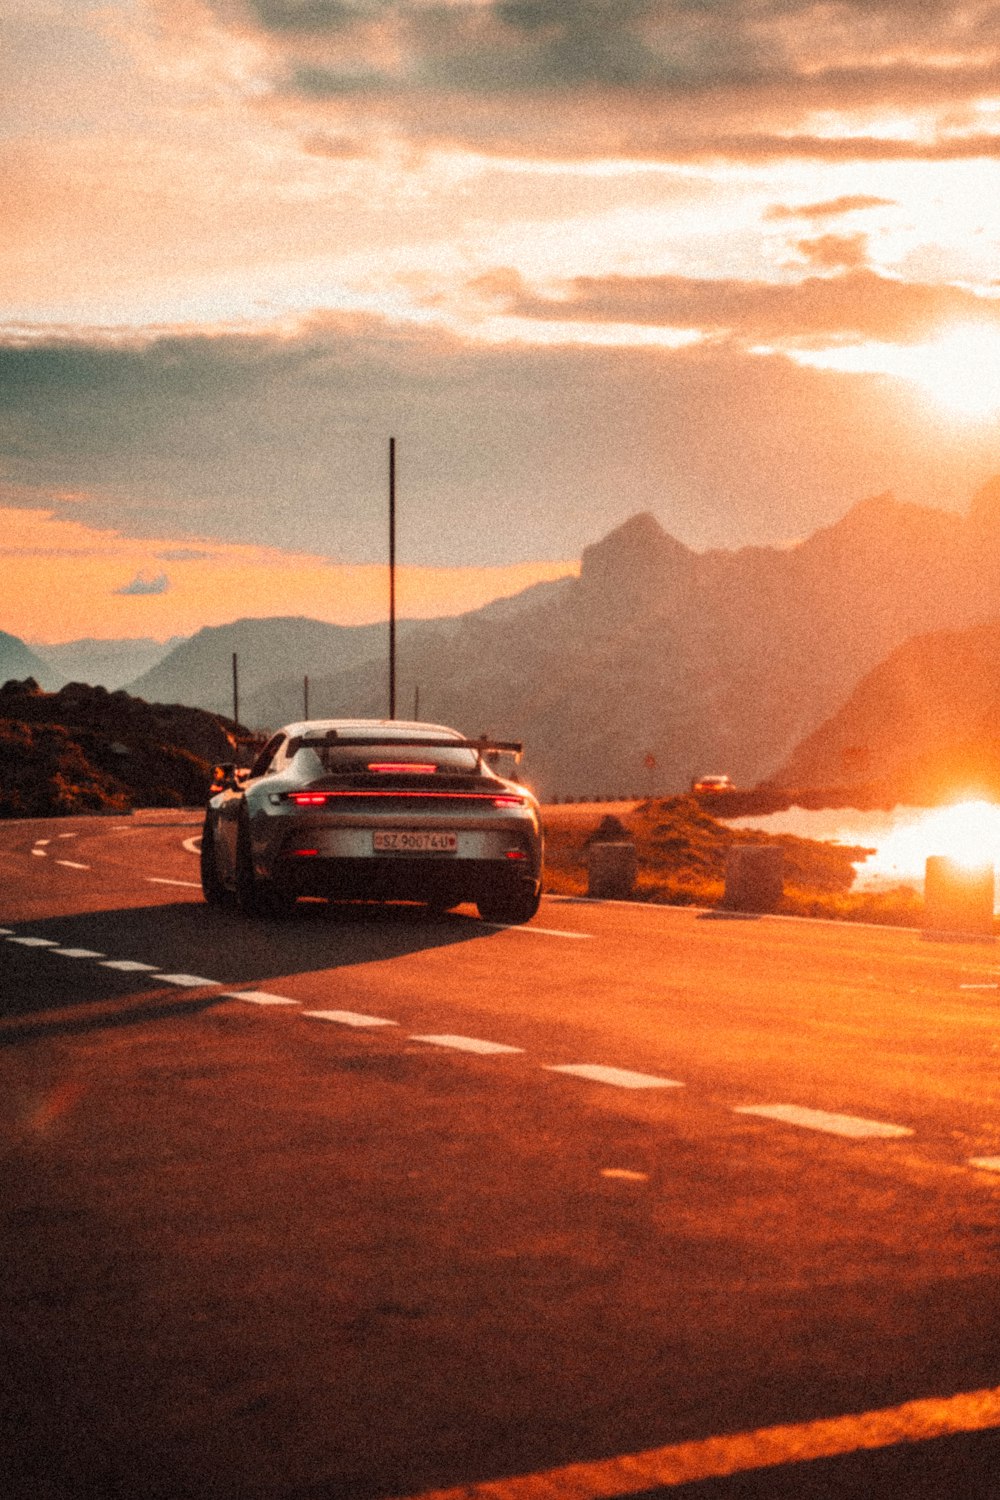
x=681, y=851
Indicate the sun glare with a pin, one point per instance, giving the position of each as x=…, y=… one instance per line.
x=959, y=370
x=967, y=832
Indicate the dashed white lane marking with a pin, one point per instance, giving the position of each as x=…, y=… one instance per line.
x=985, y=1163
x=34, y=942
x=979, y=986
x=77, y=952
x=186, y=981
x=128, y=966
x=40, y=853
x=743, y=1452
x=40, y=842
x=193, y=885
x=6, y=932
x=466, y=1044
x=620, y=1077
x=348, y=1018
x=539, y=931
x=72, y=864
x=818, y=1119
x=67, y=835
x=258, y=997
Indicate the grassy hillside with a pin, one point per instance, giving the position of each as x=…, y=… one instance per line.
x=86, y=750
x=682, y=852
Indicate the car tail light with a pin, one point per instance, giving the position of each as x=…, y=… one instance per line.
x=402, y=768
x=320, y=799
x=304, y=853
x=516, y=854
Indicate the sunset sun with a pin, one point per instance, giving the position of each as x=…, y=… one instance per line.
x=960, y=370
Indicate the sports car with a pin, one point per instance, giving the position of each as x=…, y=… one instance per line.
x=373, y=810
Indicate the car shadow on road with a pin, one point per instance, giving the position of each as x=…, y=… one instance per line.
x=51, y=990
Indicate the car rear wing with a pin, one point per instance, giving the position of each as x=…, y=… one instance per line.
x=484, y=745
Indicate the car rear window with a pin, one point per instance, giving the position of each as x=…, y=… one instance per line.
x=355, y=760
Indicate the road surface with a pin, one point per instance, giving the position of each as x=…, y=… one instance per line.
x=630, y=1201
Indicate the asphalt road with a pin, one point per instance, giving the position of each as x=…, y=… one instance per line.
x=631, y=1201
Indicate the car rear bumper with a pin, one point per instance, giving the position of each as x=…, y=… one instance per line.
x=408, y=878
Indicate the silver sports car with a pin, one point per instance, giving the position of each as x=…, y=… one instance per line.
x=364, y=809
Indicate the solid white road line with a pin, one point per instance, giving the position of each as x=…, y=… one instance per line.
x=818, y=1119
x=620, y=1077
x=34, y=942
x=743, y=1452
x=348, y=1018
x=193, y=885
x=186, y=981
x=78, y=952
x=538, y=931
x=128, y=966
x=985, y=1163
x=466, y=1044
x=979, y=986
x=71, y=864
x=6, y=932
x=258, y=997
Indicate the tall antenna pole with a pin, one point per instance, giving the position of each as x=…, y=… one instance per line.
x=305, y=696
x=236, y=689
x=392, y=578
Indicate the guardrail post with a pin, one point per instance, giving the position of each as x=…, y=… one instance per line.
x=755, y=877
x=611, y=870
x=958, y=899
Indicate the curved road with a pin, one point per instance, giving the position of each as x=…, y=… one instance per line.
x=630, y=1201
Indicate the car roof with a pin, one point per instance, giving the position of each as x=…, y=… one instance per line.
x=384, y=728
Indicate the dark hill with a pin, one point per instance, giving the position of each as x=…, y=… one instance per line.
x=85, y=749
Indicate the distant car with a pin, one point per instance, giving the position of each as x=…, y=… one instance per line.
x=362, y=809
x=713, y=784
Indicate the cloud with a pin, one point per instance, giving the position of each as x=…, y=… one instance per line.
x=638, y=77
x=505, y=454
x=834, y=252
x=141, y=585
x=858, y=304
x=829, y=208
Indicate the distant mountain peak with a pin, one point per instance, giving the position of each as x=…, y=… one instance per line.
x=637, y=551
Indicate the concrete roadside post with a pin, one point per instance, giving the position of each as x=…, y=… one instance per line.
x=611, y=861
x=755, y=877
x=958, y=899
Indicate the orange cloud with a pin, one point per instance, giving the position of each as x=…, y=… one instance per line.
x=64, y=580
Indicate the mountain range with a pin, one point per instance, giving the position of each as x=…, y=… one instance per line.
x=698, y=662
x=922, y=727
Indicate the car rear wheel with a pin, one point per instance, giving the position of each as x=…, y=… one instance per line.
x=256, y=897
x=212, y=888
x=512, y=906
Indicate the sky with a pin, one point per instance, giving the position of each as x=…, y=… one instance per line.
x=733, y=262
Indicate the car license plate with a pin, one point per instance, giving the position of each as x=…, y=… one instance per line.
x=403, y=841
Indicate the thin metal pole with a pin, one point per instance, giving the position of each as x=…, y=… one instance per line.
x=416, y=702
x=236, y=689
x=305, y=696
x=392, y=578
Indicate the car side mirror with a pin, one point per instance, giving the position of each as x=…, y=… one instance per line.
x=227, y=777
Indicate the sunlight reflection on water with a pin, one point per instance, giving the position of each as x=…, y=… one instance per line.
x=902, y=838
